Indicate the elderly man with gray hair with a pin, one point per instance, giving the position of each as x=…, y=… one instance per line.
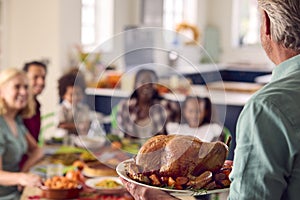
x=267, y=161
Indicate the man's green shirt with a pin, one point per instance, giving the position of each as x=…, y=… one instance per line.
x=267, y=155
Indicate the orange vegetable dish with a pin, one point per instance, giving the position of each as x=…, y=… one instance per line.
x=60, y=182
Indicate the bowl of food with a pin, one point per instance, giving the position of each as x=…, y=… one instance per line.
x=97, y=168
x=63, y=158
x=60, y=187
x=106, y=184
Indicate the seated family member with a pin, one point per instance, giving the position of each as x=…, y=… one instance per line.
x=73, y=116
x=16, y=102
x=145, y=113
x=36, y=72
x=197, y=114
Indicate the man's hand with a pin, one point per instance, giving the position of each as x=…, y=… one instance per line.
x=144, y=193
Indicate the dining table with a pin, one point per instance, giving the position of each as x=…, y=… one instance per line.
x=106, y=152
x=35, y=193
x=87, y=193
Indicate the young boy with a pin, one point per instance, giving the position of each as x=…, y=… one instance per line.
x=73, y=116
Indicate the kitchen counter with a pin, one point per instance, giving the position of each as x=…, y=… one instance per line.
x=191, y=69
x=236, y=93
x=263, y=79
x=203, y=68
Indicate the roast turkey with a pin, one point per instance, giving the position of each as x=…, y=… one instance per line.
x=177, y=156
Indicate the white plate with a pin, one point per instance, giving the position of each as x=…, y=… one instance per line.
x=93, y=181
x=122, y=173
x=89, y=142
x=89, y=175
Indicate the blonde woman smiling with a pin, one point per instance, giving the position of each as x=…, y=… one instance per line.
x=15, y=140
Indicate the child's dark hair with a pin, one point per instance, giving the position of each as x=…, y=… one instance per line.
x=36, y=63
x=207, y=107
x=208, y=110
x=69, y=80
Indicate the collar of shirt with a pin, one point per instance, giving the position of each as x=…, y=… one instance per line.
x=67, y=104
x=283, y=69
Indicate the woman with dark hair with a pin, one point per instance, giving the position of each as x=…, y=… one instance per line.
x=145, y=113
x=197, y=120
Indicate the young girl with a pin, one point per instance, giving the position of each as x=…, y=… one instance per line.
x=197, y=114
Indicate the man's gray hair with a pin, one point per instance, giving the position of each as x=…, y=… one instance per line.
x=285, y=21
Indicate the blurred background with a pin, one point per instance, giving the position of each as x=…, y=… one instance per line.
x=63, y=32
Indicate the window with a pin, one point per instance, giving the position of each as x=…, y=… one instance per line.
x=96, y=24
x=245, y=23
x=177, y=11
x=168, y=13
x=172, y=13
x=88, y=25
